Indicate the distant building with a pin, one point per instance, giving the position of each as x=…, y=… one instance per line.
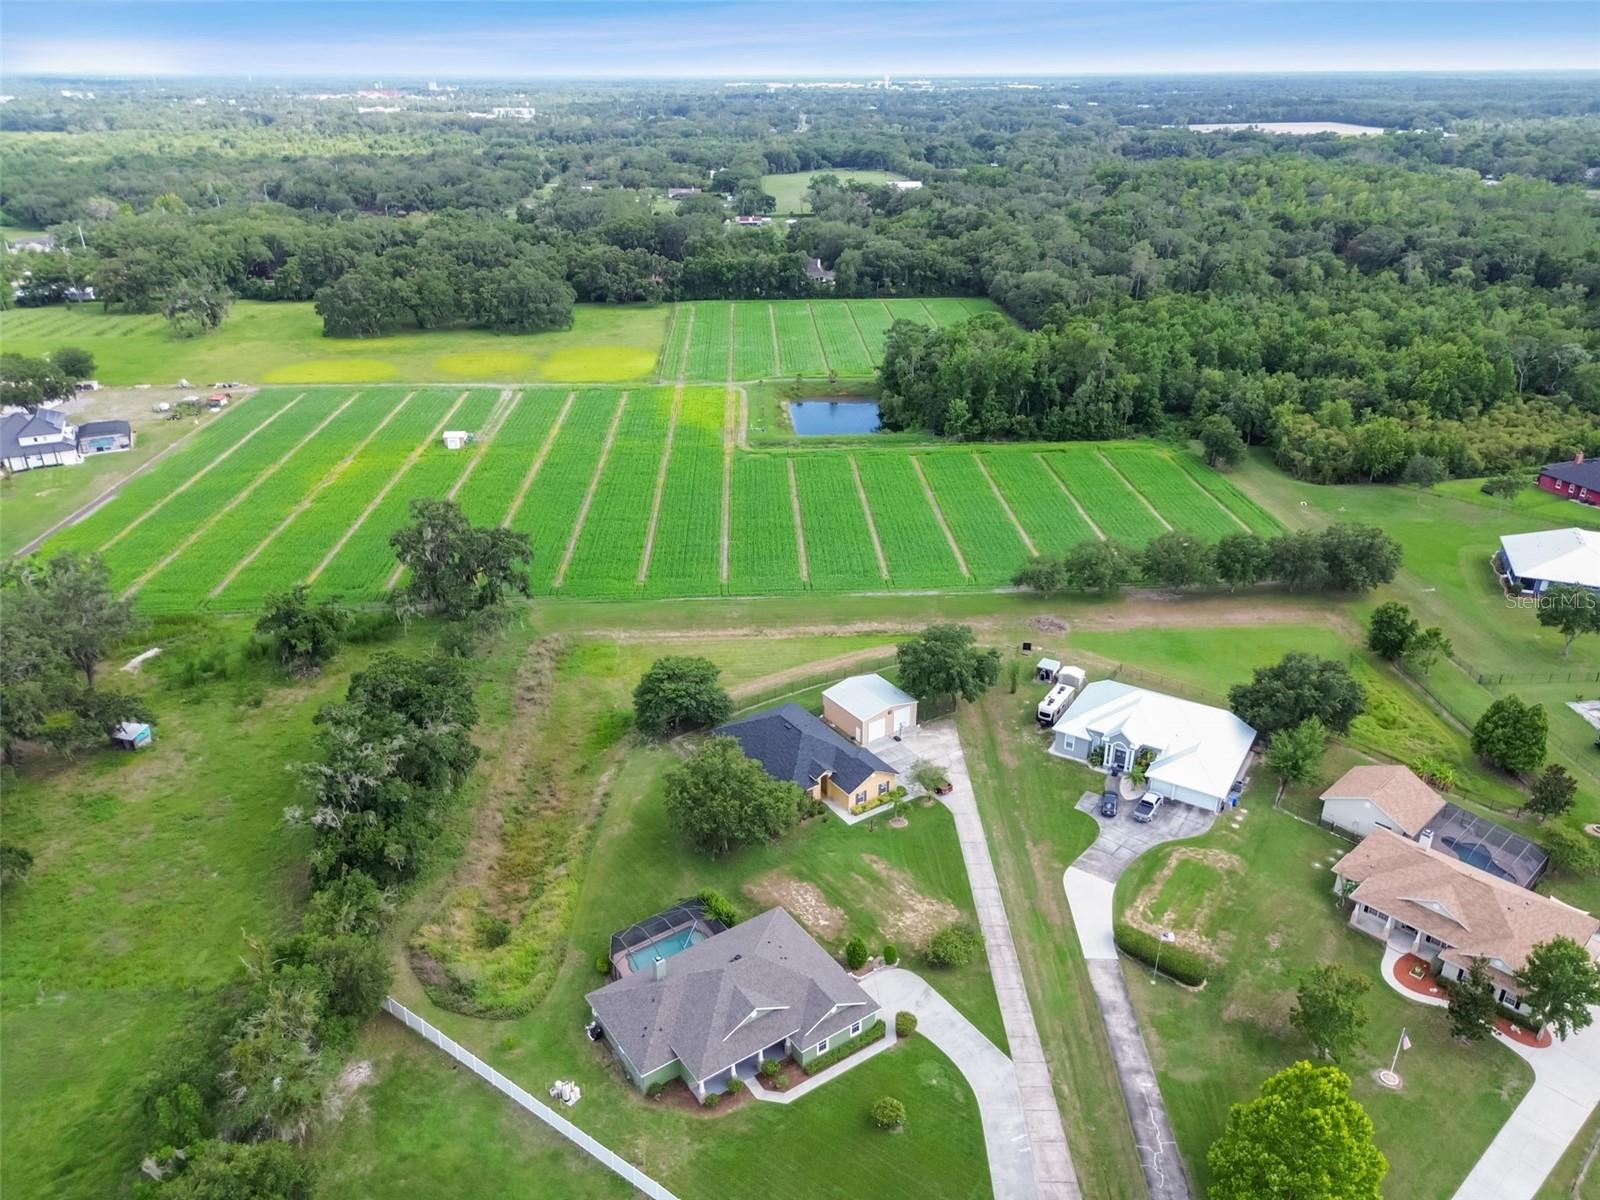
x=1575, y=480
x=514, y=114
x=750, y=222
x=41, y=438
x=817, y=273
x=905, y=185
x=678, y=193
x=101, y=437
x=38, y=243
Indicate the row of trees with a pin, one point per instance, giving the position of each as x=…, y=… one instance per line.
x=1342, y=558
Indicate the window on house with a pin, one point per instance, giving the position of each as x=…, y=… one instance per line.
x=822, y=1046
x=861, y=795
x=856, y=1028
x=883, y=787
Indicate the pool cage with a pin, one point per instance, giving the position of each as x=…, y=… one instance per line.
x=687, y=914
x=1489, y=846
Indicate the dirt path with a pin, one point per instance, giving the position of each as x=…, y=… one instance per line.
x=661, y=486
x=372, y=505
x=1166, y=524
x=821, y=666
x=1010, y=516
x=916, y=465
x=235, y=500
x=866, y=511
x=799, y=525
x=777, y=348
x=112, y=492
x=594, y=486
x=538, y=461
x=193, y=479
x=728, y=438
x=661, y=359
x=1062, y=484
x=306, y=501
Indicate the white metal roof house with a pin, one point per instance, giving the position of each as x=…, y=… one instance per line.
x=866, y=708
x=1536, y=560
x=1200, y=751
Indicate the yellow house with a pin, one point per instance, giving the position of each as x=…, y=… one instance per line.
x=793, y=744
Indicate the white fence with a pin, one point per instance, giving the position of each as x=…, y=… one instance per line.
x=539, y=1109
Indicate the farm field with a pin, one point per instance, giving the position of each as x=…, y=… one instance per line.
x=283, y=343
x=715, y=340
x=622, y=493
x=789, y=189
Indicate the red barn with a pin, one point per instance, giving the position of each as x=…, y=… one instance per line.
x=1576, y=480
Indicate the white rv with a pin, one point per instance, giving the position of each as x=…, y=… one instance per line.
x=1054, y=704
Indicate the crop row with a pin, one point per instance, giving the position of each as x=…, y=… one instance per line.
x=1036, y=497
x=873, y=319
x=988, y=540
x=364, y=563
x=914, y=546
x=185, y=581
x=611, y=542
x=688, y=544
x=762, y=551
x=1175, y=496
x=799, y=351
x=754, y=347
x=1107, y=500
x=838, y=546
x=1230, y=497
x=556, y=494
x=305, y=542
x=841, y=340
x=508, y=455
x=709, y=348
x=147, y=543
x=676, y=349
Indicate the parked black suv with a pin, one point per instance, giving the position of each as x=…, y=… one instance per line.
x=1108, y=798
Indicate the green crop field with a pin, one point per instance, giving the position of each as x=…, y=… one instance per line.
x=623, y=493
x=709, y=341
x=789, y=190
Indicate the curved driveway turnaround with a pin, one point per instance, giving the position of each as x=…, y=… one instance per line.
x=1090, y=884
x=1052, y=1164
x=991, y=1075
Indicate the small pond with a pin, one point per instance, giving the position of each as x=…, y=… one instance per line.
x=816, y=416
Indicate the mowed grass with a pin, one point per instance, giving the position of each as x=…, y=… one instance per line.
x=283, y=343
x=714, y=340
x=789, y=189
x=307, y=484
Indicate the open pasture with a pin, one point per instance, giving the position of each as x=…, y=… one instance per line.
x=710, y=341
x=623, y=492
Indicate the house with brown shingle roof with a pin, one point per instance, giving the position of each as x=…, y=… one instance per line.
x=1380, y=797
x=1429, y=903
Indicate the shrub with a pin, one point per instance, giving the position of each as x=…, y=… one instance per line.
x=771, y=1068
x=855, y=953
x=954, y=946
x=1436, y=772
x=602, y=965
x=735, y=1086
x=891, y=955
x=369, y=627
x=929, y=776
x=717, y=906
x=1183, y=965
x=493, y=932
x=888, y=1113
x=712, y=1100
x=875, y=1032
x=653, y=1092
x=1097, y=756
x=1571, y=849
x=905, y=1024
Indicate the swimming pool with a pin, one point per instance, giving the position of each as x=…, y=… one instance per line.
x=1476, y=854
x=674, y=943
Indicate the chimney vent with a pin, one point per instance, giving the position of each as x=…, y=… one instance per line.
x=1578, y=457
x=658, y=969
x=1425, y=839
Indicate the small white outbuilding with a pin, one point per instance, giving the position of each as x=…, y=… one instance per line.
x=454, y=439
x=866, y=708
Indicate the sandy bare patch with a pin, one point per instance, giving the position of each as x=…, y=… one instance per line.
x=1050, y=624
x=1141, y=916
x=914, y=917
x=805, y=902
x=352, y=1079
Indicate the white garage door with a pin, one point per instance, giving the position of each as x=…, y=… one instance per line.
x=876, y=728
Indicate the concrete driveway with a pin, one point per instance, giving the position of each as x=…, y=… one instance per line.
x=1052, y=1162
x=991, y=1075
x=1090, y=884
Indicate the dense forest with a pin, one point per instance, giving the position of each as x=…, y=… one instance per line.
x=1443, y=277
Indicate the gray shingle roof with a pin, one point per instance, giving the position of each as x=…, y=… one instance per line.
x=42, y=422
x=706, y=1012
x=792, y=744
x=91, y=429
x=1584, y=474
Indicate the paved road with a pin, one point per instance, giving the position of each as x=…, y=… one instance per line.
x=1052, y=1163
x=1090, y=885
x=991, y=1075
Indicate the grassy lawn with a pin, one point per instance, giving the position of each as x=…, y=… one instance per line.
x=1026, y=799
x=1562, y=1183
x=1214, y=1046
x=146, y=869
x=790, y=189
x=283, y=343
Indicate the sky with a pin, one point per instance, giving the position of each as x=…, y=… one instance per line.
x=753, y=39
